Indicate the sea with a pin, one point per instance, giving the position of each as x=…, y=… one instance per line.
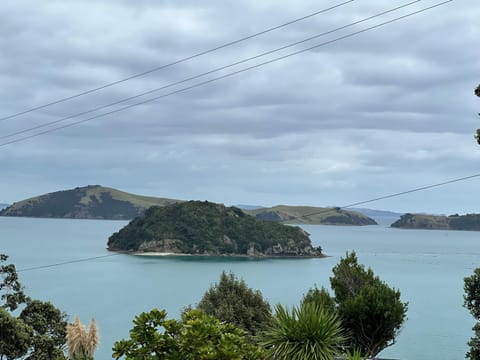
x=427, y=266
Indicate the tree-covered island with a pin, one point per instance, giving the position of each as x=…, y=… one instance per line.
x=206, y=228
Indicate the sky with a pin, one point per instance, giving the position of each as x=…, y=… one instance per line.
x=381, y=112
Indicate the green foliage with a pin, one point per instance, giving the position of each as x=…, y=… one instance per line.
x=321, y=297
x=355, y=355
x=472, y=303
x=197, y=227
x=474, y=344
x=369, y=309
x=11, y=291
x=38, y=333
x=305, y=332
x=465, y=222
x=15, y=336
x=349, y=277
x=49, y=330
x=197, y=336
x=231, y=300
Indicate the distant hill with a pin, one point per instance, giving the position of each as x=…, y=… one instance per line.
x=376, y=213
x=3, y=206
x=248, y=207
x=311, y=215
x=439, y=222
x=205, y=228
x=89, y=202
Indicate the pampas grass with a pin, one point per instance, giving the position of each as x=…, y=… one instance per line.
x=81, y=343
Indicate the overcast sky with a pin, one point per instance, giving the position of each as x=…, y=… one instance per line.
x=385, y=111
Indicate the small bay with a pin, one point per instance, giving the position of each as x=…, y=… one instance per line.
x=427, y=266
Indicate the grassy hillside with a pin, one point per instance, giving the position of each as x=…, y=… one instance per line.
x=206, y=228
x=439, y=222
x=90, y=202
x=311, y=215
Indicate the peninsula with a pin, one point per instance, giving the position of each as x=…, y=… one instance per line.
x=88, y=202
x=438, y=222
x=311, y=215
x=206, y=228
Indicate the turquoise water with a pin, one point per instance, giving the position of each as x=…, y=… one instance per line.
x=427, y=266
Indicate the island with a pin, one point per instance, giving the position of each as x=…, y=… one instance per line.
x=438, y=222
x=210, y=229
x=311, y=215
x=88, y=202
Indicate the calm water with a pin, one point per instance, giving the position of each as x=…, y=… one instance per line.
x=427, y=266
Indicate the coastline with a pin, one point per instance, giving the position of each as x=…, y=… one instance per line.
x=171, y=254
x=154, y=253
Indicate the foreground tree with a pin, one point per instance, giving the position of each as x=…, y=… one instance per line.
x=11, y=291
x=369, y=309
x=38, y=333
x=321, y=297
x=305, y=332
x=472, y=303
x=15, y=336
x=49, y=328
x=197, y=336
x=231, y=300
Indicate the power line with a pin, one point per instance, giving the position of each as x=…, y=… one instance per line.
x=176, y=62
x=298, y=217
x=389, y=196
x=86, y=112
x=67, y=262
x=211, y=80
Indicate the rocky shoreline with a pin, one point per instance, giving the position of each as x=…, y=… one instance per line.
x=257, y=256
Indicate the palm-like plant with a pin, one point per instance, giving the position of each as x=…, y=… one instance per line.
x=305, y=332
x=355, y=355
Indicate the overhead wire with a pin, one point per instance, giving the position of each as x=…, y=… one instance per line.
x=385, y=197
x=118, y=102
x=213, y=79
x=176, y=62
x=298, y=217
x=240, y=71
x=67, y=262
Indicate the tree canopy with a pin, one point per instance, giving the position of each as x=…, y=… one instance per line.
x=231, y=300
x=196, y=336
x=471, y=299
x=321, y=297
x=11, y=291
x=16, y=336
x=48, y=326
x=38, y=333
x=369, y=309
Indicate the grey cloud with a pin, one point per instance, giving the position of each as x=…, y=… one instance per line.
x=381, y=112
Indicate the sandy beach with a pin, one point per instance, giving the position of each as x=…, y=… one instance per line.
x=158, y=254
